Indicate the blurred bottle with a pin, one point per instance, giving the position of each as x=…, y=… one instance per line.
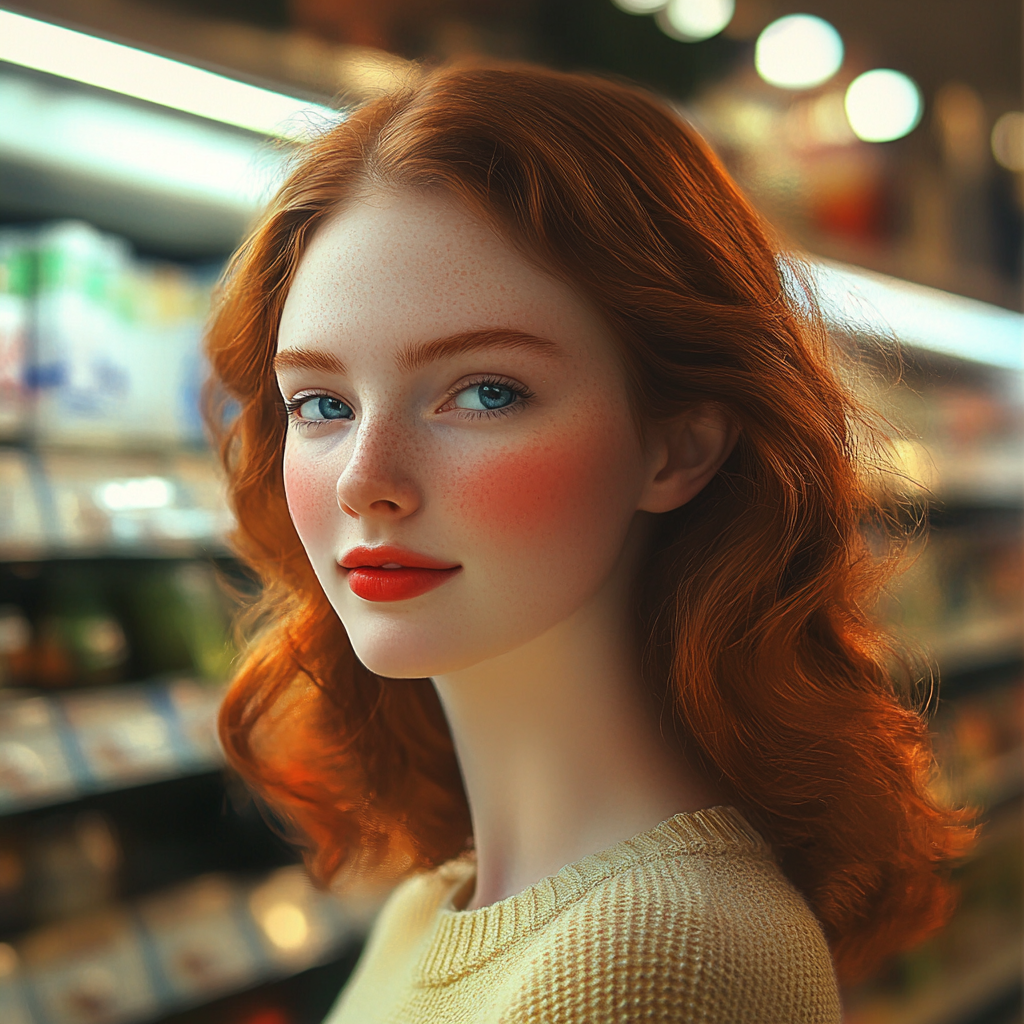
x=15, y=647
x=16, y=280
x=80, y=640
x=14, y=902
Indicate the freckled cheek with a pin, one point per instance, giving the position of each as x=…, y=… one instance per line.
x=311, y=490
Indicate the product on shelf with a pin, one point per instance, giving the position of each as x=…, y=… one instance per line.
x=117, y=501
x=72, y=864
x=80, y=641
x=979, y=743
x=121, y=735
x=15, y=645
x=116, y=356
x=177, y=948
x=195, y=706
x=90, y=969
x=109, y=501
x=179, y=616
x=963, y=434
x=203, y=494
x=21, y=517
x=962, y=596
x=34, y=766
x=16, y=279
x=106, y=501
x=52, y=749
x=202, y=939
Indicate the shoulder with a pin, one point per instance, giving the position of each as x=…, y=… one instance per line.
x=406, y=916
x=412, y=905
x=720, y=936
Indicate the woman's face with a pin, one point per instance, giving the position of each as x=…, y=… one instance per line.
x=461, y=464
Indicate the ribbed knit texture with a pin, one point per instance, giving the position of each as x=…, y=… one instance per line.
x=689, y=922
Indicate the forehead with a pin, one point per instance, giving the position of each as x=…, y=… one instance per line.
x=405, y=267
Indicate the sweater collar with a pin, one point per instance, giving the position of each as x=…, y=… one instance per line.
x=463, y=939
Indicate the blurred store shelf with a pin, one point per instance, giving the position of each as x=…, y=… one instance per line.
x=971, y=971
x=58, y=503
x=957, y=996
x=174, y=949
x=976, y=643
x=58, y=748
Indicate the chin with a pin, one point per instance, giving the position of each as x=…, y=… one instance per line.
x=398, y=651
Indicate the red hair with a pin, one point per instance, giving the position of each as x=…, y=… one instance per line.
x=755, y=602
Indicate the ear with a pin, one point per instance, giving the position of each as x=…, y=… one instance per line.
x=684, y=453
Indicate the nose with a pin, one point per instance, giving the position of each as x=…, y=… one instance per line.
x=376, y=481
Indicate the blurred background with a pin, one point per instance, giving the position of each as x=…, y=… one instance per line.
x=137, y=140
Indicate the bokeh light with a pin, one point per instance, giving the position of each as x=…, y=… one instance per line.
x=1008, y=140
x=798, y=51
x=639, y=6
x=286, y=925
x=693, y=20
x=883, y=105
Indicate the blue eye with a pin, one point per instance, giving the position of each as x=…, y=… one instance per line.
x=318, y=408
x=485, y=396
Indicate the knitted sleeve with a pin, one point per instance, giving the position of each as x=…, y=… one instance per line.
x=730, y=943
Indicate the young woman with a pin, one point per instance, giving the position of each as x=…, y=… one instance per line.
x=554, y=492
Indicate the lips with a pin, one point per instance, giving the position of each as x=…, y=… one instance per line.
x=389, y=573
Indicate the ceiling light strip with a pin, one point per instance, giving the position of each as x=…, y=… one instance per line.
x=60, y=51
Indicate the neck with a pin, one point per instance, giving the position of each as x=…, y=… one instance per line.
x=560, y=753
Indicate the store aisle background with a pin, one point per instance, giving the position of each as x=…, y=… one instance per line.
x=137, y=881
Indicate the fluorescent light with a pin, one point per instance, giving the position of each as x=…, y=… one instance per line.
x=146, y=76
x=921, y=317
x=48, y=125
x=144, y=492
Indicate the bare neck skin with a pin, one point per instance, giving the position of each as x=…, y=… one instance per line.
x=560, y=754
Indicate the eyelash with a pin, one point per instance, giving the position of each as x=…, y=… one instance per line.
x=525, y=396
x=292, y=406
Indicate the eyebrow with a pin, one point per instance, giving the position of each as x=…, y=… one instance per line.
x=308, y=359
x=414, y=357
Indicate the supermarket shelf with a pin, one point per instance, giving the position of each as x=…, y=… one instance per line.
x=954, y=998
x=182, y=947
x=990, y=479
x=56, y=749
x=60, y=502
x=1001, y=778
x=991, y=782
x=977, y=644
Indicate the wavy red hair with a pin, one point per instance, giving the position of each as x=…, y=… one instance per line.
x=755, y=604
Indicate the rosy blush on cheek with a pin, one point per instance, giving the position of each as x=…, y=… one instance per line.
x=539, y=490
x=311, y=493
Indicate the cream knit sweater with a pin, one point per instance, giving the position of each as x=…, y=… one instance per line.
x=690, y=922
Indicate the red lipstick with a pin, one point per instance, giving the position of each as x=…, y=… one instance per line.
x=388, y=573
